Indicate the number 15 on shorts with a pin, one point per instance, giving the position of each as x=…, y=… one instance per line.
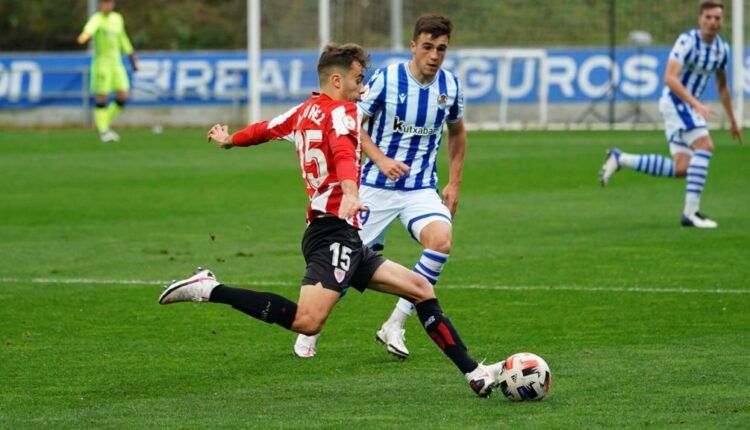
x=340, y=260
x=340, y=257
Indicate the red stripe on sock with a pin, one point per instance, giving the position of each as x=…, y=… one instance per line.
x=446, y=334
x=436, y=338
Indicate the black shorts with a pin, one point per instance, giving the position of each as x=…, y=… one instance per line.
x=336, y=256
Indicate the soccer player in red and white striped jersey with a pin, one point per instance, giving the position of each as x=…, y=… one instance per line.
x=326, y=135
x=325, y=130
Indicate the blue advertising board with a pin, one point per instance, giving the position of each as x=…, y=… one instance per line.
x=188, y=78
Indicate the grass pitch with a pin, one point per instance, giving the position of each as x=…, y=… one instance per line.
x=643, y=323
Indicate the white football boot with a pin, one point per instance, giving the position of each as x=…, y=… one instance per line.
x=393, y=338
x=610, y=166
x=306, y=346
x=106, y=137
x=485, y=378
x=109, y=136
x=115, y=136
x=196, y=288
x=698, y=220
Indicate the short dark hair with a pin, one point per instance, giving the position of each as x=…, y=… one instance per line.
x=434, y=25
x=342, y=57
x=710, y=4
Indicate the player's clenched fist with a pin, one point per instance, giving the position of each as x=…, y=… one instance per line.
x=220, y=134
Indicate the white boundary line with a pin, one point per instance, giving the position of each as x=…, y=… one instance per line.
x=596, y=289
x=269, y=283
x=121, y=281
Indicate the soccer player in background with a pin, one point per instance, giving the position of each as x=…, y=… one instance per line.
x=407, y=106
x=107, y=29
x=326, y=132
x=696, y=55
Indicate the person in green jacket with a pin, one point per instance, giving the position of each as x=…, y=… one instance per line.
x=107, y=29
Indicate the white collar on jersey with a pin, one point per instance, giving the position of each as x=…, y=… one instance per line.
x=421, y=85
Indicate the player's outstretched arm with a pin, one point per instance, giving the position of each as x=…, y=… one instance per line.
x=456, y=152
x=257, y=133
x=726, y=101
x=220, y=135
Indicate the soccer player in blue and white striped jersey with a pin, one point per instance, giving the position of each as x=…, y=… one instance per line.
x=697, y=54
x=406, y=108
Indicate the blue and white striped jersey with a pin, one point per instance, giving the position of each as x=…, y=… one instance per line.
x=406, y=122
x=699, y=61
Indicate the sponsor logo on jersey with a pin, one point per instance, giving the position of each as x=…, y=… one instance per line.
x=399, y=126
x=402, y=97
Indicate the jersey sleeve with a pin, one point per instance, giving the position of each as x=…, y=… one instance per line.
x=125, y=45
x=343, y=138
x=456, y=111
x=278, y=128
x=723, y=64
x=374, y=98
x=682, y=48
x=92, y=24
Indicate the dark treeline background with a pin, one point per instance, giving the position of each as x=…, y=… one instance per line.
x=52, y=25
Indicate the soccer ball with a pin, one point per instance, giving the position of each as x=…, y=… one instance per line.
x=525, y=376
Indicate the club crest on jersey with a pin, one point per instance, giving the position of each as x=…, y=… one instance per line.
x=399, y=126
x=442, y=101
x=349, y=122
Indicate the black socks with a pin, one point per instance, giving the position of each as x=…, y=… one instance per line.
x=440, y=329
x=267, y=307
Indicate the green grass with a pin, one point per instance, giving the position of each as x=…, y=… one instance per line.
x=105, y=355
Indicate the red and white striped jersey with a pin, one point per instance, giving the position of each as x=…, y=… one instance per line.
x=326, y=135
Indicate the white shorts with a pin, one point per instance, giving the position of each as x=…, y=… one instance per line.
x=415, y=209
x=682, y=124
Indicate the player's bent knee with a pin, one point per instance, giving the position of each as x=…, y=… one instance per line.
x=428, y=295
x=423, y=289
x=443, y=245
x=703, y=144
x=307, y=325
x=439, y=242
